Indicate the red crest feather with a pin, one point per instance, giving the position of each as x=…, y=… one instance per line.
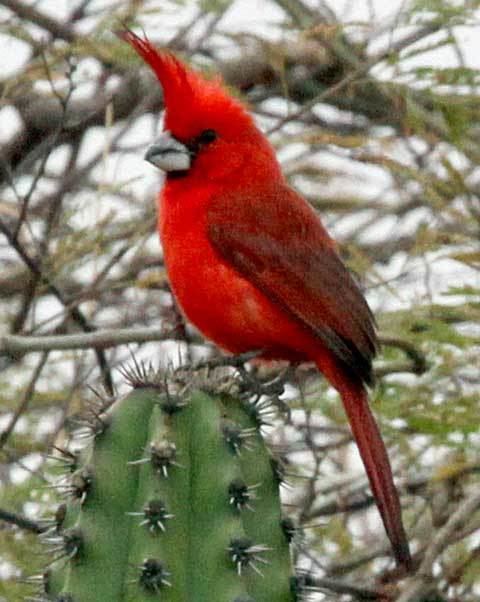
x=191, y=100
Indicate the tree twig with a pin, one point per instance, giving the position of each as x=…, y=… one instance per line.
x=421, y=583
x=25, y=400
x=30, y=13
x=99, y=339
x=21, y=521
x=75, y=312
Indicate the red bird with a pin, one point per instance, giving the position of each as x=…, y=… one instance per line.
x=251, y=264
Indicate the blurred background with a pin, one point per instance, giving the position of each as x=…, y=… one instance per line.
x=374, y=110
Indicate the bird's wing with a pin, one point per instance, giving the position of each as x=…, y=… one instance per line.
x=275, y=240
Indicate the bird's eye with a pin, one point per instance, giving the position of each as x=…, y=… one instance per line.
x=207, y=136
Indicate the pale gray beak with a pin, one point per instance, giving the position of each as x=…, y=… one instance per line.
x=168, y=154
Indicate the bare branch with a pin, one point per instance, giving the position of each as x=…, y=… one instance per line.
x=418, y=363
x=30, y=13
x=100, y=339
x=21, y=521
x=359, y=71
x=74, y=311
x=26, y=398
x=421, y=584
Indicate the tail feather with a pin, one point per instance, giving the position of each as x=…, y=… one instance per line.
x=377, y=465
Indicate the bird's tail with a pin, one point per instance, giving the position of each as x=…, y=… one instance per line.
x=376, y=462
x=375, y=459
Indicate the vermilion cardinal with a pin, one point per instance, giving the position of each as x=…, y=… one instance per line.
x=250, y=262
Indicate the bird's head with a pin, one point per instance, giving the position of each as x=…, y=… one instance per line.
x=206, y=129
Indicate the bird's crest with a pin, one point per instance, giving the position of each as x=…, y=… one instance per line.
x=191, y=100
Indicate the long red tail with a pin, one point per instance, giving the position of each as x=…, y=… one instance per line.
x=376, y=462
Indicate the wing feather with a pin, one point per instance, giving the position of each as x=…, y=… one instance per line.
x=277, y=242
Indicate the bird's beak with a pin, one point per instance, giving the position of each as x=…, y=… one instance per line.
x=168, y=154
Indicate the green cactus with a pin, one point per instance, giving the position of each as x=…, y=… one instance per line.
x=176, y=499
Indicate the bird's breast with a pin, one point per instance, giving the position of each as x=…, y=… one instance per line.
x=226, y=307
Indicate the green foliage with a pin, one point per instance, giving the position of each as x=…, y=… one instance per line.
x=442, y=12
x=17, y=545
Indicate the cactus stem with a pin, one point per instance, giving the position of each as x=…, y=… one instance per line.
x=172, y=403
x=105, y=398
x=138, y=462
x=154, y=515
x=237, y=437
x=46, y=536
x=162, y=456
x=77, y=487
x=261, y=411
x=240, y=494
x=81, y=484
x=141, y=526
x=70, y=460
x=272, y=388
x=94, y=423
x=289, y=529
x=71, y=544
x=279, y=469
x=244, y=553
x=53, y=524
x=153, y=575
x=302, y=585
x=38, y=579
x=141, y=375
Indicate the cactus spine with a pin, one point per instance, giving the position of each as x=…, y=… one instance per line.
x=176, y=500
